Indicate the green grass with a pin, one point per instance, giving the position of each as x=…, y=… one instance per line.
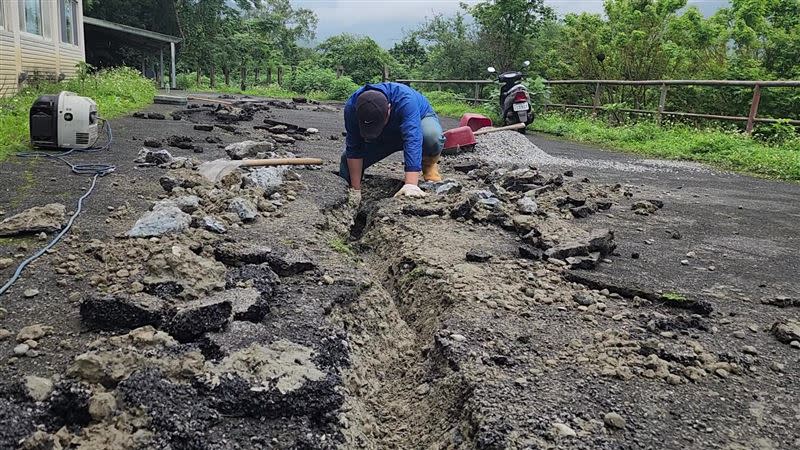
x=725, y=149
x=339, y=245
x=117, y=92
x=673, y=297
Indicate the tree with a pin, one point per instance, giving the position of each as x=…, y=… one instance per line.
x=508, y=28
x=410, y=52
x=361, y=57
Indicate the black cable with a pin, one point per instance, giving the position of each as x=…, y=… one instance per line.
x=96, y=170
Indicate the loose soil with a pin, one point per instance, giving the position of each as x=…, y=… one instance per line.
x=481, y=316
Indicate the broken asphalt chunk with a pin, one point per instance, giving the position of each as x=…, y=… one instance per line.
x=121, y=311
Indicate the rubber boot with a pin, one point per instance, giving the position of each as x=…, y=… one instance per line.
x=430, y=168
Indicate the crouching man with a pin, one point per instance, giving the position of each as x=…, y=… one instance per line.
x=384, y=118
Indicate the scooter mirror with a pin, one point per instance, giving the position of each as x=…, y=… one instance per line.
x=491, y=69
x=527, y=63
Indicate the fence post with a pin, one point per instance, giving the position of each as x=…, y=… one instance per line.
x=269, y=75
x=596, y=102
x=662, y=103
x=477, y=93
x=385, y=74
x=751, y=119
x=280, y=75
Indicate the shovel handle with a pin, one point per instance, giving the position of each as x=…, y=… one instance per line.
x=516, y=126
x=281, y=162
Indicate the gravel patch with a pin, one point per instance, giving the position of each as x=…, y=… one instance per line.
x=511, y=147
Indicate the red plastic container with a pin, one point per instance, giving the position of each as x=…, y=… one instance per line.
x=458, y=137
x=474, y=121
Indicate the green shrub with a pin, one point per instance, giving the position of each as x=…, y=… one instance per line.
x=776, y=133
x=342, y=88
x=117, y=92
x=312, y=79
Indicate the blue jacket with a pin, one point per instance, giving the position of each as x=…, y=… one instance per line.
x=404, y=129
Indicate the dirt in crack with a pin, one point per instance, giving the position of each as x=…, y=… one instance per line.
x=394, y=358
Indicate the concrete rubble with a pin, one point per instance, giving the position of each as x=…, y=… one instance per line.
x=48, y=218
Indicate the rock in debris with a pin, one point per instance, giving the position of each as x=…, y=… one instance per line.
x=178, y=265
x=30, y=293
x=312, y=131
x=601, y=241
x=587, y=262
x=603, y=205
x=187, y=203
x=582, y=212
x=248, y=149
x=527, y=205
x=614, y=420
x=243, y=208
x=156, y=116
x=583, y=299
x=198, y=317
x=102, y=405
x=201, y=127
x=158, y=157
x=48, y=218
x=278, y=129
x=478, y=256
x=182, y=142
x=213, y=140
x=260, y=276
x=163, y=219
x=267, y=178
x=152, y=143
x=33, y=332
x=21, y=349
x=236, y=336
x=644, y=207
x=283, y=139
x=780, y=301
x=290, y=262
x=170, y=182
x=527, y=251
x=5, y=263
x=247, y=303
x=786, y=331
x=562, y=430
x=213, y=225
x=38, y=388
x=448, y=187
x=122, y=311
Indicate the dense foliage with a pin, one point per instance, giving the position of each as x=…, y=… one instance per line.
x=245, y=42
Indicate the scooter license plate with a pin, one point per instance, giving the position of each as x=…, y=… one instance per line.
x=521, y=106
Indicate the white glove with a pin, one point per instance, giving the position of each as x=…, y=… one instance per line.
x=354, y=198
x=410, y=190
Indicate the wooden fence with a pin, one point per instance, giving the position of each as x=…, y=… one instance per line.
x=751, y=119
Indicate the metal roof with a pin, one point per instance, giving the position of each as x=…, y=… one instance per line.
x=136, y=35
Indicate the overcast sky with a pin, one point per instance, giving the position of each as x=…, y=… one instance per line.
x=385, y=20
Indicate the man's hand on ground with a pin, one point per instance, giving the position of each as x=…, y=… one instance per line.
x=354, y=198
x=410, y=190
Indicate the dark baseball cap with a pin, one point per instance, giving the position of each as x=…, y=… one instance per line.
x=372, y=110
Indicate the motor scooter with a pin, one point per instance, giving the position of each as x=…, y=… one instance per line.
x=515, y=101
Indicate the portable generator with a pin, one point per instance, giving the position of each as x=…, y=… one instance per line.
x=63, y=121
